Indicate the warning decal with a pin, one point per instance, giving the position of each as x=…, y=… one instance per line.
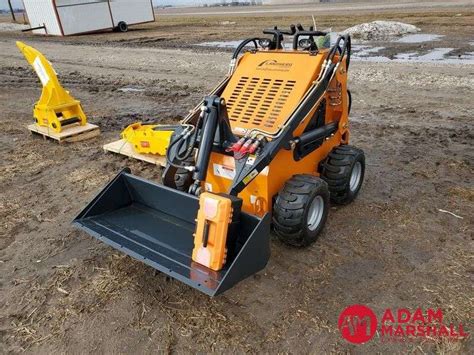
x=41, y=71
x=224, y=171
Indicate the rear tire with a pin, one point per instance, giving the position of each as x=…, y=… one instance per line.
x=344, y=170
x=300, y=210
x=122, y=26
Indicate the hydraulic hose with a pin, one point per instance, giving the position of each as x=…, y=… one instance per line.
x=168, y=159
x=235, y=55
x=188, y=144
x=186, y=141
x=243, y=44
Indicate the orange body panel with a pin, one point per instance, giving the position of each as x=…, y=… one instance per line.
x=258, y=194
x=214, y=216
x=266, y=87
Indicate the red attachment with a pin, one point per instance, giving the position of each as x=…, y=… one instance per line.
x=246, y=147
x=237, y=145
x=254, y=146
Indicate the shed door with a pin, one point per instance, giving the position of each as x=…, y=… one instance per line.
x=131, y=12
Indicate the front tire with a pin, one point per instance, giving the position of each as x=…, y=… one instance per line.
x=300, y=210
x=344, y=171
x=184, y=178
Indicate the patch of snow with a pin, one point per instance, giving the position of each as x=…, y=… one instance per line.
x=379, y=30
x=131, y=89
x=420, y=38
x=6, y=26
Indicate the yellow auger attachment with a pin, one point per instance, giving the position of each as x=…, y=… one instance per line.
x=56, y=108
x=148, y=139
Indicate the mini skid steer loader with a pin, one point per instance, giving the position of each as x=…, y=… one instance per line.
x=267, y=147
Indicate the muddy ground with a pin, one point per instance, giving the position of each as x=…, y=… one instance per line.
x=61, y=290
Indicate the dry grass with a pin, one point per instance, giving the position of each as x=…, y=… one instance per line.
x=443, y=22
x=466, y=193
x=48, y=307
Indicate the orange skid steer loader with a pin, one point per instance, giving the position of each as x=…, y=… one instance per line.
x=267, y=148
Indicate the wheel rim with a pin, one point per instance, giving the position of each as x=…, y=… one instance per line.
x=355, y=176
x=315, y=213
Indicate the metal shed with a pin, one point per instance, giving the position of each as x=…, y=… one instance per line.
x=69, y=17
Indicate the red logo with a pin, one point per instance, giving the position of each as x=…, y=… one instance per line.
x=357, y=324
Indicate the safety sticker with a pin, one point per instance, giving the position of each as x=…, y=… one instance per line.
x=41, y=71
x=250, y=176
x=224, y=171
x=239, y=130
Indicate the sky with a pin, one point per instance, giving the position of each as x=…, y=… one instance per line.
x=18, y=3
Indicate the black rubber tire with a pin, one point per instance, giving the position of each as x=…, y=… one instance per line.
x=337, y=169
x=291, y=207
x=122, y=26
x=184, y=178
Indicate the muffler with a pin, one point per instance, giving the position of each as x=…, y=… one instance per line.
x=156, y=224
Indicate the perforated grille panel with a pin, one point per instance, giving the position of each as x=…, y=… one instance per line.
x=266, y=88
x=259, y=101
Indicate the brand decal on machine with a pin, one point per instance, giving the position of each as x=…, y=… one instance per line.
x=272, y=64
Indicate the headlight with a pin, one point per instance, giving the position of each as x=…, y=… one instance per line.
x=305, y=43
x=264, y=42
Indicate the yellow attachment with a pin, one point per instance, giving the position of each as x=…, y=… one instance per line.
x=56, y=108
x=149, y=139
x=214, y=216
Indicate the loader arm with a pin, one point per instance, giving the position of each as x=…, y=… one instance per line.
x=245, y=172
x=215, y=119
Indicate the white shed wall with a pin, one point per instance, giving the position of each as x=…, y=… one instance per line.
x=69, y=17
x=78, y=16
x=131, y=12
x=41, y=12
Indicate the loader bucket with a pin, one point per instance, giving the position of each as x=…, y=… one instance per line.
x=155, y=224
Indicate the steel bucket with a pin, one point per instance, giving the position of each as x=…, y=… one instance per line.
x=155, y=224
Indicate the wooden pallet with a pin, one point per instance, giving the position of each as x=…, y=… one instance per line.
x=68, y=134
x=125, y=148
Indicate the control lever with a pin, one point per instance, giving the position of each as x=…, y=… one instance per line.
x=291, y=32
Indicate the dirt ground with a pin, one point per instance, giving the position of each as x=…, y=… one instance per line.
x=63, y=291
